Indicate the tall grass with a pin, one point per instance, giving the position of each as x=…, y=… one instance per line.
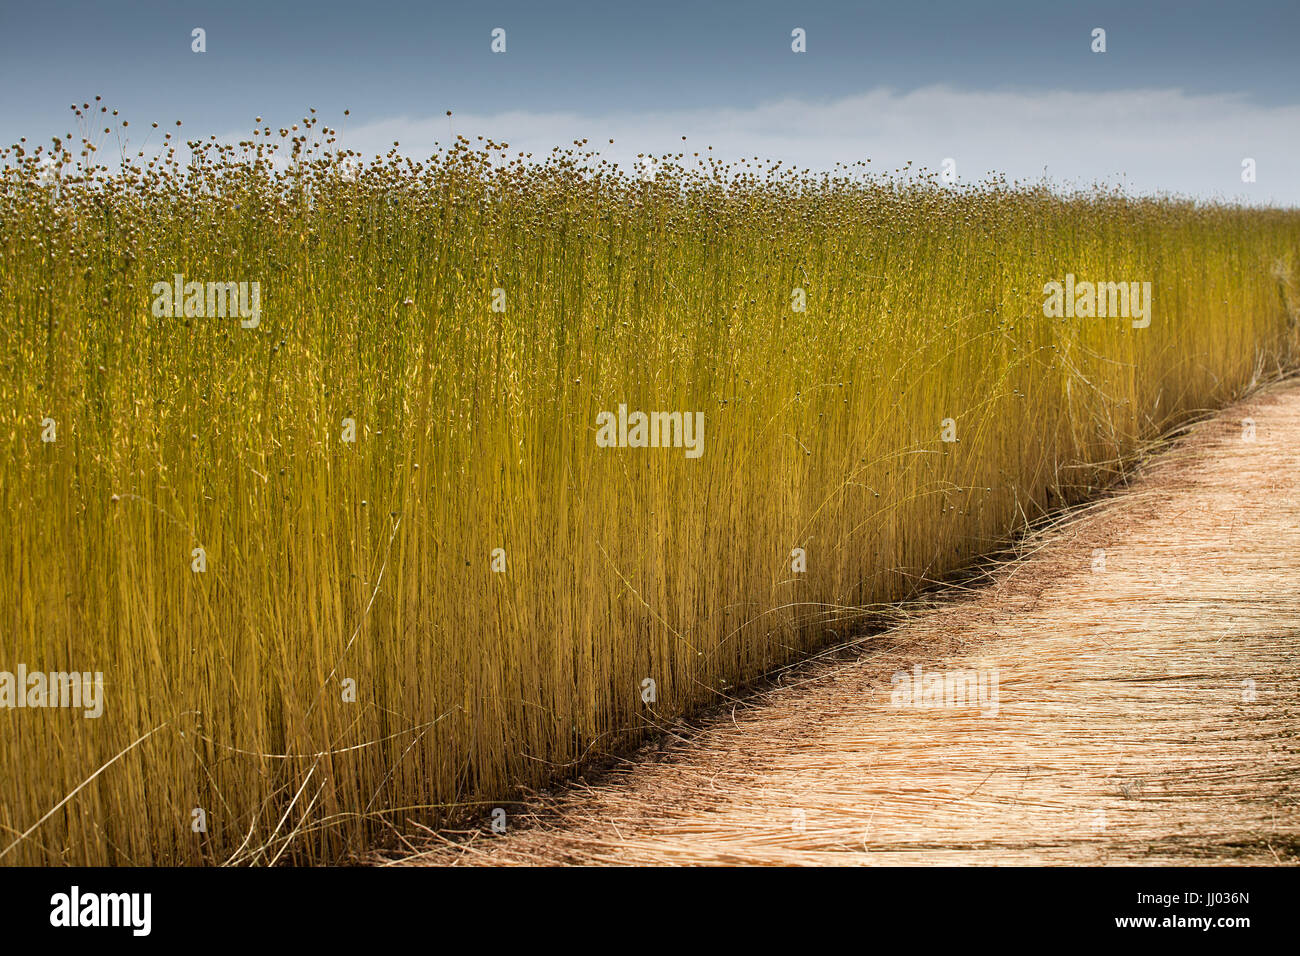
x=330, y=562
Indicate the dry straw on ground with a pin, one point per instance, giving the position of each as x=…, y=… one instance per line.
x=1149, y=709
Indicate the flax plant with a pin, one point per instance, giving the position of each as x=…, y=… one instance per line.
x=349, y=664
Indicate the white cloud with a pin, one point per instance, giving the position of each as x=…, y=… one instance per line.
x=1147, y=140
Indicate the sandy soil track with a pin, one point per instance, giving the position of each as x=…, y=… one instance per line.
x=1148, y=705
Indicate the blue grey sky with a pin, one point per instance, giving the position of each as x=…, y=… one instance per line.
x=1183, y=94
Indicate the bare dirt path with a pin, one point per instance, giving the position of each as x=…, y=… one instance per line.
x=1148, y=705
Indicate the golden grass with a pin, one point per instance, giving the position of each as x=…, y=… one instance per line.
x=370, y=562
